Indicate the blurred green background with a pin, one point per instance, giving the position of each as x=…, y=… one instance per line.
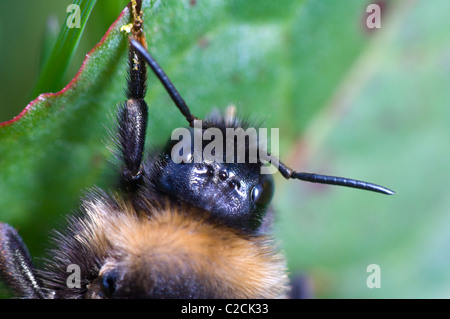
x=349, y=101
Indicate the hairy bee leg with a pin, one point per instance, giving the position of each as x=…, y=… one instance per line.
x=133, y=114
x=16, y=268
x=132, y=128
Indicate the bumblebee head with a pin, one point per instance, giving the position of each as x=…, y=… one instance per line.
x=211, y=177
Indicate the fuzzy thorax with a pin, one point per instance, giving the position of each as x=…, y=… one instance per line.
x=173, y=252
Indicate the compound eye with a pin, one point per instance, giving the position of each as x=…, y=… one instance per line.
x=108, y=283
x=262, y=193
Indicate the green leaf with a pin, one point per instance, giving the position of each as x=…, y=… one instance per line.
x=365, y=104
x=53, y=149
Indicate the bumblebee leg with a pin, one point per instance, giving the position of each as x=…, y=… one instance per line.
x=132, y=127
x=132, y=116
x=16, y=267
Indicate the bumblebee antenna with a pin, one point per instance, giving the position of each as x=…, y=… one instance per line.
x=289, y=173
x=170, y=88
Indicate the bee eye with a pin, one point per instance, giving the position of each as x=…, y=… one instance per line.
x=262, y=192
x=108, y=283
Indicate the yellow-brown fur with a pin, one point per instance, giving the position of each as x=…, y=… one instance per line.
x=169, y=241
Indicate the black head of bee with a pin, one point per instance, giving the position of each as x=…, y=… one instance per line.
x=188, y=222
x=234, y=193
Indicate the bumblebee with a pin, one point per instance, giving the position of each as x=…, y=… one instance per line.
x=195, y=229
